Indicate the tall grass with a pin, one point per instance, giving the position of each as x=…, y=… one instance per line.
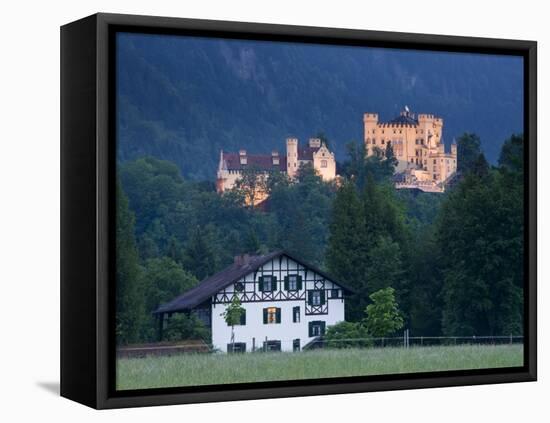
x=209, y=369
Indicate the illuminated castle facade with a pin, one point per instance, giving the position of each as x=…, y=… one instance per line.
x=417, y=144
x=232, y=165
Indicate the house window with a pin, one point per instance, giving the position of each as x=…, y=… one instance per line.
x=293, y=283
x=272, y=345
x=296, y=314
x=296, y=344
x=323, y=163
x=316, y=328
x=272, y=315
x=316, y=297
x=236, y=347
x=239, y=286
x=334, y=293
x=267, y=283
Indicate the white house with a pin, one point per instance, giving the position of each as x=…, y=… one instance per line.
x=288, y=303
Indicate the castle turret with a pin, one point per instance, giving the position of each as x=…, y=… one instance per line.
x=454, y=148
x=370, y=121
x=222, y=174
x=292, y=156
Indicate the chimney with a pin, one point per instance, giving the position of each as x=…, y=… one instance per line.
x=242, y=260
x=242, y=157
x=275, y=158
x=314, y=142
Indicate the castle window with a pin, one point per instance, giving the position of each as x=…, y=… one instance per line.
x=382, y=142
x=373, y=142
x=435, y=161
x=324, y=163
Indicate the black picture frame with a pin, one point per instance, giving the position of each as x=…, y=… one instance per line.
x=87, y=210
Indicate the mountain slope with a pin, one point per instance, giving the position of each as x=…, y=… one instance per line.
x=185, y=98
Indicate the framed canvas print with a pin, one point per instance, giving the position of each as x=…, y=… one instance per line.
x=255, y=211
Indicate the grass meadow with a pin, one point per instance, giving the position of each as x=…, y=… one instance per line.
x=211, y=369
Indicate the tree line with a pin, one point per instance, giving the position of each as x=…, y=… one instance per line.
x=453, y=260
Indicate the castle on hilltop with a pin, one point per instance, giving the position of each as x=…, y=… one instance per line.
x=417, y=143
x=232, y=165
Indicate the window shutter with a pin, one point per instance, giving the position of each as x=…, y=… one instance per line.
x=310, y=329
x=278, y=315
x=310, y=297
x=322, y=297
x=261, y=283
x=243, y=318
x=286, y=283
x=322, y=327
x=299, y=282
x=265, y=316
x=273, y=283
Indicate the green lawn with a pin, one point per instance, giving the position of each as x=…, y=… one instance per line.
x=208, y=369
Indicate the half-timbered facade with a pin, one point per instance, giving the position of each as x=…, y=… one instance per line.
x=287, y=303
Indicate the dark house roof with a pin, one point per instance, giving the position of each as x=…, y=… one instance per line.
x=259, y=161
x=209, y=286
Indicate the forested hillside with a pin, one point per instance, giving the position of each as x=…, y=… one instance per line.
x=184, y=99
x=455, y=260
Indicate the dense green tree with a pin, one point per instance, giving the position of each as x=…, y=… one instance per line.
x=379, y=166
x=347, y=335
x=468, y=151
x=130, y=295
x=199, y=256
x=383, y=317
x=511, y=156
x=164, y=279
x=346, y=255
x=232, y=315
x=252, y=186
x=181, y=326
x=385, y=265
x=481, y=230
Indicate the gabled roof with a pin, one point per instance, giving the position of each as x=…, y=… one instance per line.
x=213, y=284
x=306, y=153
